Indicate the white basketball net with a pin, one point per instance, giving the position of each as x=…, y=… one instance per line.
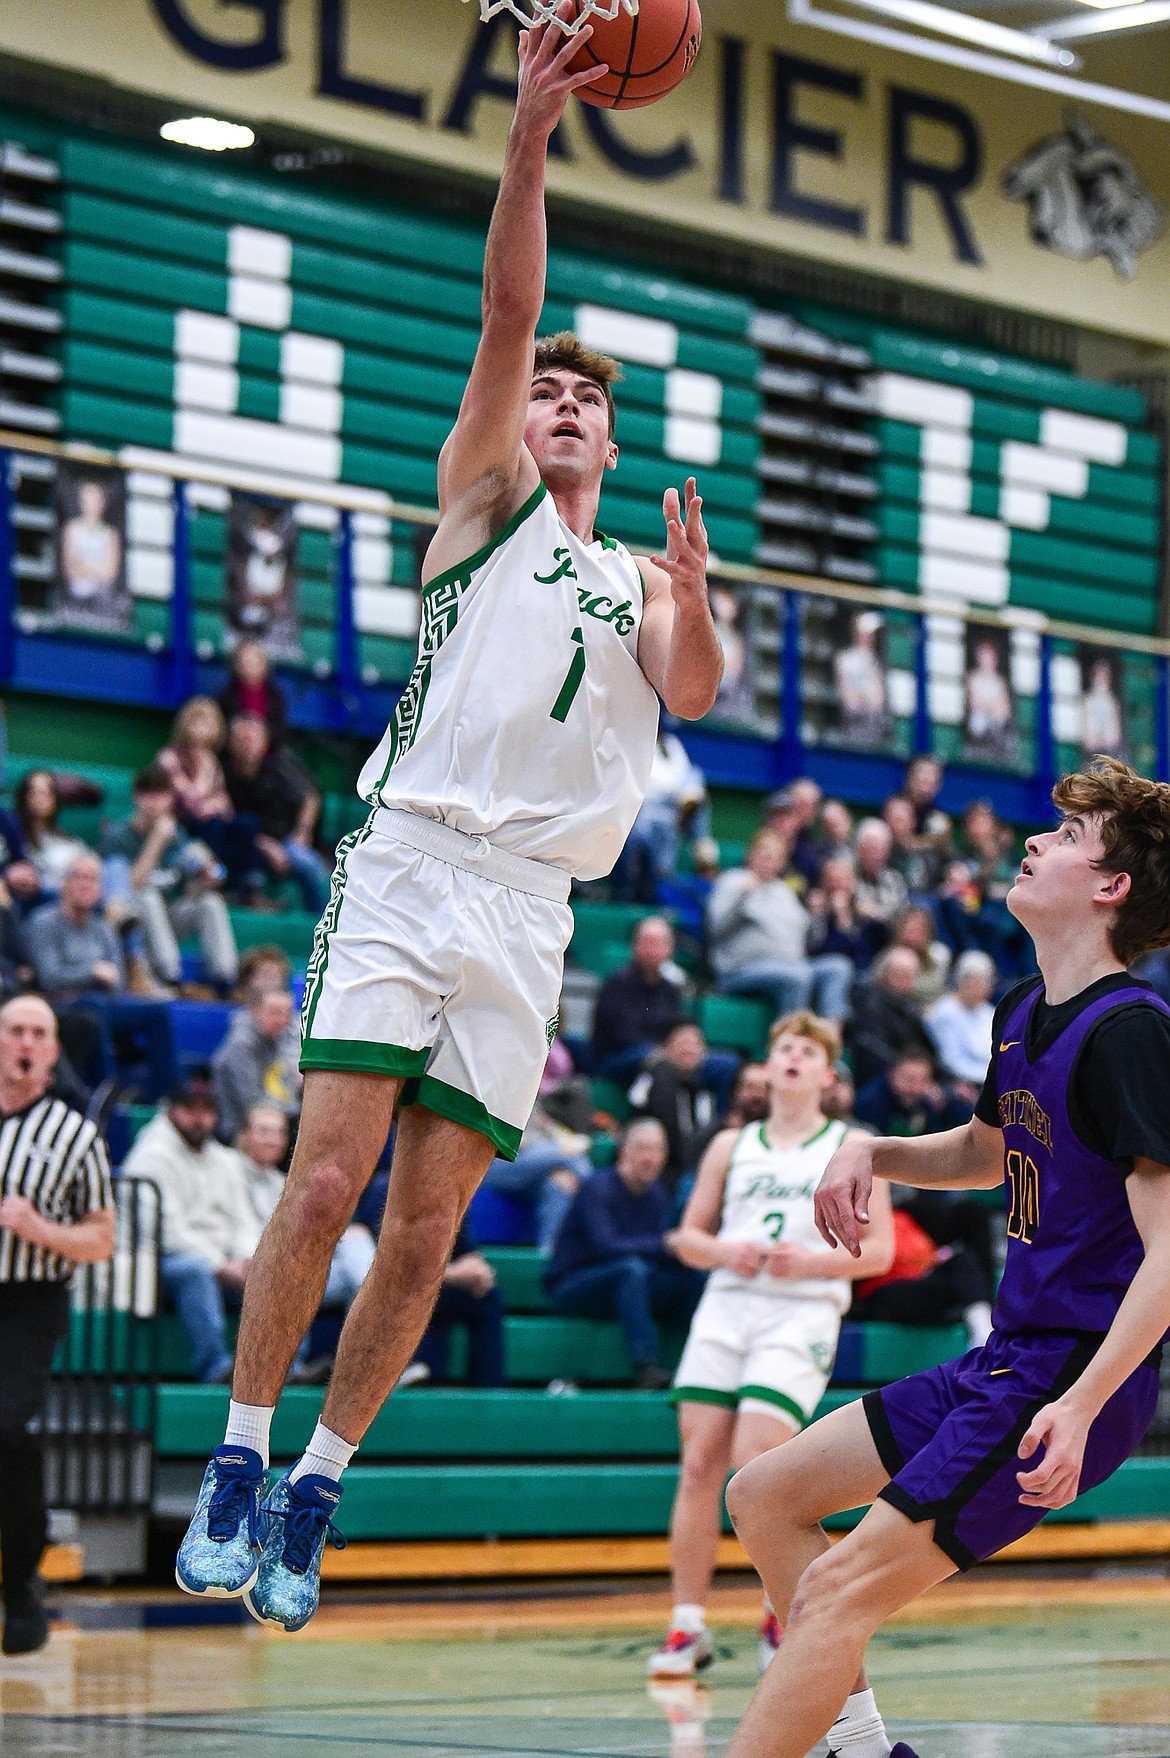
x=534, y=12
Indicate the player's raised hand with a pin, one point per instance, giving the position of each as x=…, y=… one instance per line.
x=1062, y=1430
x=841, y=1202
x=686, y=544
x=546, y=84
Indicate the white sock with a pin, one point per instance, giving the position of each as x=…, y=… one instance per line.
x=689, y=1618
x=859, y=1731
x=977, y=1318
x=249, y=1425
x=326, y=1455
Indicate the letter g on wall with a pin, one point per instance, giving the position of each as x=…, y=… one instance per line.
x=265, y=50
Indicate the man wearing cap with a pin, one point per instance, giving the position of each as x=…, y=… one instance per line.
x=56, y=1211
x=209, y=1228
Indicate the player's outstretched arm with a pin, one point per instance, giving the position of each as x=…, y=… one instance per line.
x=678, y=648
x=485, y=472
x=693, y=1241
x=1143, y=1318
x=967, y=1158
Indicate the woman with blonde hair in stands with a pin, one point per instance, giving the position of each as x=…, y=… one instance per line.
x=202, y=801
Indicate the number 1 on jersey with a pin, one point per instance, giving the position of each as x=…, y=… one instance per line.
x=572, y=681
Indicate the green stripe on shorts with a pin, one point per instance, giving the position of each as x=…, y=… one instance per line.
x=459, y=1107
x=767, y=1395
x=702, y=1395
x=356, y=1056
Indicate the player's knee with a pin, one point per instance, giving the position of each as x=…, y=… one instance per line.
x=701, y=1467
x=325, y=1197
x=835, y=1590
x=422, y=1244
x=635, y=1269
x=745, y=1499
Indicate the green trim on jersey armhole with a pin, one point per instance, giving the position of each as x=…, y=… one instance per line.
x=327, y=926
x=702, y=1395
x=359, y=1056
x=768, y=1395
x=459, y=1107
x=489, y=549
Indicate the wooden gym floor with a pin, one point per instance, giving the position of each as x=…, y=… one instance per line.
x=1006, y=1664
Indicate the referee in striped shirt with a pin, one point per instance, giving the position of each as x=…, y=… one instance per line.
x=56, y=1211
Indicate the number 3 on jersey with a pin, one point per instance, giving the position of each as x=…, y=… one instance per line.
x=572, y=683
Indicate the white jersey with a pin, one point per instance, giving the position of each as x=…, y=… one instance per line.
x=768, y=1198
x=527, y=719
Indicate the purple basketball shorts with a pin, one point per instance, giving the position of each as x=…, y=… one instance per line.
x=949, y=1438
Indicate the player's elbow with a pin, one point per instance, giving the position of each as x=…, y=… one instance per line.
x=689, y=701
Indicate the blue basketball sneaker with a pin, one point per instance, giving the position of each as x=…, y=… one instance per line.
x=295, y=1521
x=220, y=1554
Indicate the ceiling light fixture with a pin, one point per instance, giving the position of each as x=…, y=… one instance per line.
x=209, y=133
x=1018, y=72
x=1031, y=46
x=1101, y=22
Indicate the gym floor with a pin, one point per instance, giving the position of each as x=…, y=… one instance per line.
x=1006, y=1664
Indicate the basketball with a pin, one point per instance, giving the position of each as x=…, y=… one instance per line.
x=647, y=56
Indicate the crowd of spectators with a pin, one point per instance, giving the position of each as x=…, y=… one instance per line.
x=893, y=924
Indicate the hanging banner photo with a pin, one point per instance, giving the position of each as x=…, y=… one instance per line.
x=1103, y=727
x=262, y=575
x=90, y=590
x=990, y=728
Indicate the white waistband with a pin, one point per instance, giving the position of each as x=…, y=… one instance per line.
x=473, y=853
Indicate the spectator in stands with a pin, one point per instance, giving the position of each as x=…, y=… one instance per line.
x=758, y=933
x=927, y=1284
x=675, y=809
x=19, y=879
x=960, y=1024
x=75, y=950
x=834, y=830
x=751, y=1097
x=976, y=915
x=263, y=1148
x=16, y=968
x=79, y=965
x=672, y=1089
x=919, y=861
x=551, y=1166
x=611, y=1260
x=923, y=784
x=251, y=689
x=838, y=925
x=262, y=968
x=204, y=806
x=914, y=929
x=791, y=813
x=208, y=1225
x=638, y=1004
x=169, y=883
x=468, y=1297
x=49, y=850
x=840, y=1097
x=885, y=1018
x=269, y=788
x=257, y=1063
x=906, y=1099
x=881, y=889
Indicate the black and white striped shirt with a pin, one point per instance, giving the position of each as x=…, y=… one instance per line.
x=50, y=1154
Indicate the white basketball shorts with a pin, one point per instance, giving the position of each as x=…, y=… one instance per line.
x=439, y=958
x=759, y=1352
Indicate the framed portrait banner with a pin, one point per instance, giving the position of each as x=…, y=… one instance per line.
x=262, y=574
x=991, y=732
x=89, y=589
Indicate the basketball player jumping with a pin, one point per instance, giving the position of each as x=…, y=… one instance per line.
x=962, y=1460
x=517, y=759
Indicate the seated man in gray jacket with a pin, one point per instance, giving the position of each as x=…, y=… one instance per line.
x=757, y=934
x=209, y=1227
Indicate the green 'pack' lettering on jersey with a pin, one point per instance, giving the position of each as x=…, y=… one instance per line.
x=764, y=1185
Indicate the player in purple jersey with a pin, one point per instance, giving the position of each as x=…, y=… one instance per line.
x=962, y=1460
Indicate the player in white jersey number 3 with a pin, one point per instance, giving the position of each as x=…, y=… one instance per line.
x=764, y=1337
x=517, y=760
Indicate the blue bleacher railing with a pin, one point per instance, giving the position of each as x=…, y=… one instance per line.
x=38, y=652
